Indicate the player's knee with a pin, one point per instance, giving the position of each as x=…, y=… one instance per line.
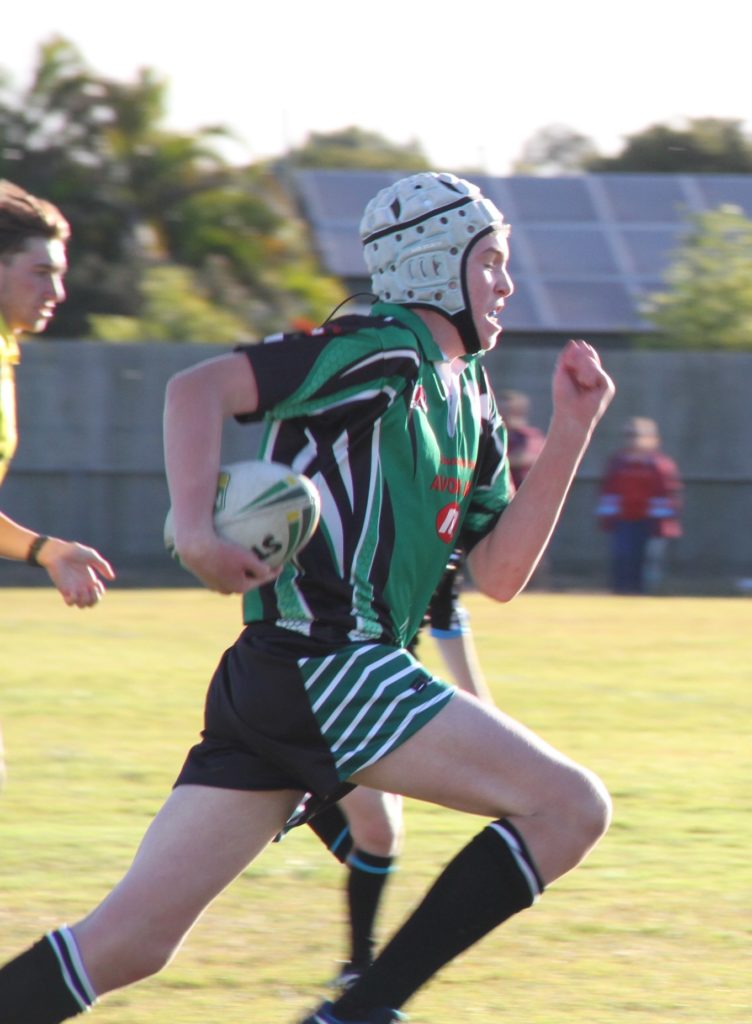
x=128, y=957
x=378, y=835
x=587, y=807
x=375, y=822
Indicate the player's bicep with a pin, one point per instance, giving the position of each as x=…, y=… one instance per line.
x=227, y=383
x=239, y=386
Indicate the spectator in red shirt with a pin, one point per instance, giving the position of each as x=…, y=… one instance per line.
x=639, y=506
x=524, y=441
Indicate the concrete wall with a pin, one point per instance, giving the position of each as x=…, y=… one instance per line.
x=701, y=402
x=90, y=466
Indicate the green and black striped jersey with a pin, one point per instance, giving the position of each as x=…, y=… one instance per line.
x=408, y=452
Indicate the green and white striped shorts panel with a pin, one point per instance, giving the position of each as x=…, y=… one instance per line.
x=368, y=699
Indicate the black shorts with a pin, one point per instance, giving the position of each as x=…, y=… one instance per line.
x=280, y=715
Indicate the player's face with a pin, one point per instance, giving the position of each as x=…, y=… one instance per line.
x=31, y=284
x=489, y=285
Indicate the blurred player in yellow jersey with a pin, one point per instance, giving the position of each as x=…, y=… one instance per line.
x=33, y=238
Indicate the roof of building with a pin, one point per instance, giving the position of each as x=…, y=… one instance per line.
x=586, y=250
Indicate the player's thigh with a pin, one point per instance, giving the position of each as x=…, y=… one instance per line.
x=375, y=820
x=200, y=840
x=474, y=758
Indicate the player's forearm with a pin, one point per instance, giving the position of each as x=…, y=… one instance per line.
x=15, y=540
x=503, y=562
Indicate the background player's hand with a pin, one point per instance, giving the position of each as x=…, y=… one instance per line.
x=225, y=567
x=77, y=571
x=581, y=387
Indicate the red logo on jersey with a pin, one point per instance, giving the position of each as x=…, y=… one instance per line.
x=447, y=522
x=419, y=399
x=450, y=483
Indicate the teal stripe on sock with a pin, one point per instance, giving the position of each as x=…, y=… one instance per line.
x=354, y=861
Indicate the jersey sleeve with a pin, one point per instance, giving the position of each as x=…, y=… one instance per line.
x=493, y=487
x=326, y=374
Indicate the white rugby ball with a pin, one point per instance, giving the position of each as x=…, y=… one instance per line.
x=263, y=506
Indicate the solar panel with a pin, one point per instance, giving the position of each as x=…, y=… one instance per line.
x=645, y=198
x=560, y=249
x=340, y=251
x=523, y=310
x=723, y=189
x=586, y=250
x=650, y=249
x=593, y=305
x=551, y=199
x=334, y=195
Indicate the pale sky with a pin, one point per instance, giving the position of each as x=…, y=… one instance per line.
x=471, y=80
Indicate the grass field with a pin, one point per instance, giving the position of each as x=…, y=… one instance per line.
x=98, y=708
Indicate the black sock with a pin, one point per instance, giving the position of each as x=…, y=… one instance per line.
x=489, y=880
x=45, y=984
x=331, y=826
x=368, y=876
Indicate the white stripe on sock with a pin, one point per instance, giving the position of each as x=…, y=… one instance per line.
x=66, y=936
x=522, y=862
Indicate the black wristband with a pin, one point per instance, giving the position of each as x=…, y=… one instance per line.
x=36, y=546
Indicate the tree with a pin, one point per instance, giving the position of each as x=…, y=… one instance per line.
x=139, y=196
x=555, y=149
x=174, y=309
x=355, y=148
x=707, y=303
x=698, y=146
